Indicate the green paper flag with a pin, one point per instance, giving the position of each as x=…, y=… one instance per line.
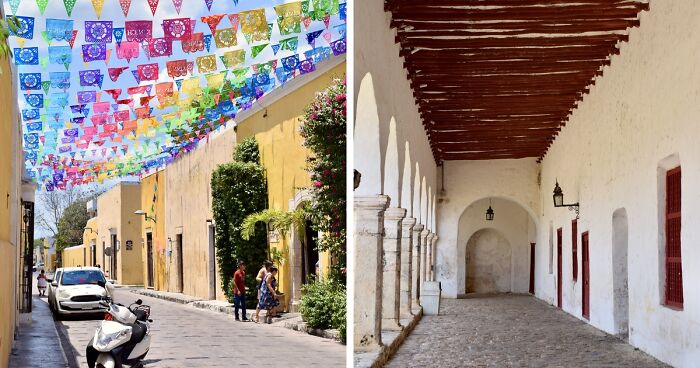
x=47, y=101
x=305, y=7
x=248, y=36
x=255, y=50
x=44, y=61
x=42, y=5
x=67, y=65
x=269, y=30
x=69, y=4
x=46, y=37
x=45, y=85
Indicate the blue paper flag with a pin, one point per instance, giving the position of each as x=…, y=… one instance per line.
x=26, y=56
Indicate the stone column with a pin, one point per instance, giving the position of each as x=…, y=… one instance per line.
x=433, y=260
x=391, y=290
x=429, y=257
x=406, y=266
x=415, y=268
x=423, y=256
x=369, y=226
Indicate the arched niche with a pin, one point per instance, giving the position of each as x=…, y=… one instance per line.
x=512, y=230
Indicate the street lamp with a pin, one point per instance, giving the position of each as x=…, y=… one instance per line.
x=559, y=200
x=143, y=213
x=489, y=212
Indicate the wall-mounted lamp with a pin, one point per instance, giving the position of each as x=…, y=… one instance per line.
x=559, y=200
x=489, y=212
x=89, y=228
x=143, y=213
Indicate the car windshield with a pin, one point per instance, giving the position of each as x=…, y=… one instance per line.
x=81, y=277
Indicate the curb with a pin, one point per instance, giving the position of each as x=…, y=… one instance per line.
x=288, y=321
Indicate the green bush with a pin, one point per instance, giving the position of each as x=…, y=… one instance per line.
x=323, y=305
x=239, y=189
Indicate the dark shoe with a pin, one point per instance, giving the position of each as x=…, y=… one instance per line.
x=238, y=319
x=246, y=320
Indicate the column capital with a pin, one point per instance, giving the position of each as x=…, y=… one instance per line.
x=424, y=233
x=408, y=223
x=418, y=228
x=431, y=236
x=376, y=202
x=394, y=213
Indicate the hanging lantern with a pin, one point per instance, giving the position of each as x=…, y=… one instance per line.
x=489, y=212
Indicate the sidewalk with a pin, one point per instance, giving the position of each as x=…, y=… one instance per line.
x=38, y=343
x=290, y=321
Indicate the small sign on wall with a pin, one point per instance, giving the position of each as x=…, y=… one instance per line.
x=129, y=245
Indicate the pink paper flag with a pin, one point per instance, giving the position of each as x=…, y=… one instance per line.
x=234, y=21
x=327, y=20
x=327, y=36
x=178, y=5
x=125, y=4
x=153, y=4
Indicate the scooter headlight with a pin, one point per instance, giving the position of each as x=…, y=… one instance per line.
x=109, y=335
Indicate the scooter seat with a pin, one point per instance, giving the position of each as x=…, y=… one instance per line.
x=138, y=332
x=140, y=315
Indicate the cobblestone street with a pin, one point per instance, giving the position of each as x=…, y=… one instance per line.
x=184, y=336
x=512, y=331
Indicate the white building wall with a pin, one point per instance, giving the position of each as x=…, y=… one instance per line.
x=645, y=109
x=383, y=93
x=467, y=182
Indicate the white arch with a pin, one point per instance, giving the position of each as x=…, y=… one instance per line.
x=434, y=212
x=392, y=179
x=513, y=220
x=366, y=139
x=423, y=202
x=416, y=194
x=406, y=190
x=429, y=210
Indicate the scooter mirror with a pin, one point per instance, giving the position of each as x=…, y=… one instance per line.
x=139, y=302
x=110, y=288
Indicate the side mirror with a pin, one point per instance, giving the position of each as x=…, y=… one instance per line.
x=54, y=283
x=139, y=302
x=49, y=280
x=101, y=283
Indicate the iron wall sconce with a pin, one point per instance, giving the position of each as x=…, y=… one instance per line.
x=143, y=213
x=559, y=200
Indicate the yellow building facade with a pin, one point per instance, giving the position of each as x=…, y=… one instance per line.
x=153, y=238
x=275, y=121
x=118, y=247
x=75, y=256
x=11, y=165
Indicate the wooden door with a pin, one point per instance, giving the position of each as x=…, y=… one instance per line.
x=586, y=296
x=149, y=258
x=559, y=271
x=532, y=268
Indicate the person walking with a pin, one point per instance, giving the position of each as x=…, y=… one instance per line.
x=268, y=296
x=239, y=291
x=42, y=283
x=259, y=279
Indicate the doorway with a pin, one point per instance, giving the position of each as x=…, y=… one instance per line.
x=586, y=294
x=620, y=273
x=532, y=268
x=212, y=262
x=113, y=240
x=179, y=265
x=309, y=254
x=559, y=270
x=93, y=250
x=149, y=258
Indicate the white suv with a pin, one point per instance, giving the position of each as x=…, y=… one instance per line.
x=76, y=291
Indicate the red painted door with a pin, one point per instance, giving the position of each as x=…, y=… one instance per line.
x=559, y=271
x=532, y=268
x=586, y=294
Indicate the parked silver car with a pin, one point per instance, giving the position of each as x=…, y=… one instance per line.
x=76, y=291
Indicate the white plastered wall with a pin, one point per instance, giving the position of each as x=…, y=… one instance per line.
x=644, y=109
x=383, y=95
x=467, y=182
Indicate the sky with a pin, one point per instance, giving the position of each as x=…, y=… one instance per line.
x=140, y=10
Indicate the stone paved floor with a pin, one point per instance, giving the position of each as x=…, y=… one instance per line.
x=512, y=331
x=185, y=336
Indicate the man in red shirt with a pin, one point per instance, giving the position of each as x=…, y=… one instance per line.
x=239, y=291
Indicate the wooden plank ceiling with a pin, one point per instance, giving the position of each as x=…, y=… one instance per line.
x=496, y=79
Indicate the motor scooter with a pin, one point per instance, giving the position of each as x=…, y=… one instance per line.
x=123, y=337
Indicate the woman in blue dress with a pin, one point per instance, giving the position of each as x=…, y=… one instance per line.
x=268, y=297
